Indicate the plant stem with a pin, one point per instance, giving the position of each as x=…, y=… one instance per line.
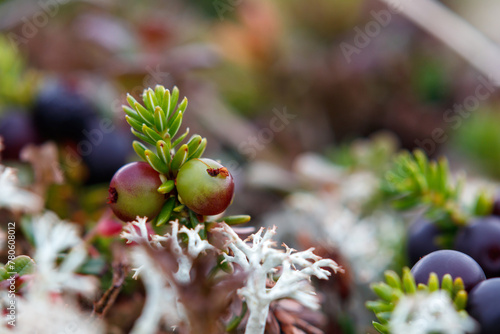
x=257, y=319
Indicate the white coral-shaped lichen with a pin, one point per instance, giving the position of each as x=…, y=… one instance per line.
x=334, y=214
x=46, y=316
x=14, y=197
x=53, y=236
x=161, y=302
x=424, y=313
x=262, y=261
x=49, y=302
x=137, y=231
x=162, y=297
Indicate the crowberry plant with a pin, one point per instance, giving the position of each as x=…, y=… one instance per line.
x=179, y=183
x=446, y=222
x=176, y=187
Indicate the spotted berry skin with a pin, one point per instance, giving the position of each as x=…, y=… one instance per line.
x=133, y=192
x=205, y=186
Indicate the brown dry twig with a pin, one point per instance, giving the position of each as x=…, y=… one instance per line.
x=101, y=307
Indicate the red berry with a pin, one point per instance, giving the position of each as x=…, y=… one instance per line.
x=133, y=192
x=108, y=227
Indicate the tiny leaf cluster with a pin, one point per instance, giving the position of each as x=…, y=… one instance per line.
x=156, y=123
x=415, y=181
x=395, y=287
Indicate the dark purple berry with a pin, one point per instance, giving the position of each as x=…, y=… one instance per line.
x=452, y=262
x=133, y=192
x=484, y=305
x=422, y=239
x=106, y=151
x=481, y=240
x=496, y=205
x=17, y=130
x=60, y=113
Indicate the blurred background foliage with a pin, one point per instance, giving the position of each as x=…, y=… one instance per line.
x=268, y=82
x=243, y=63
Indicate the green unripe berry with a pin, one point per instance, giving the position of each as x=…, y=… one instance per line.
x=133, y=192
x=205, y=186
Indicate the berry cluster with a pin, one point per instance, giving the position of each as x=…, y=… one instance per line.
x=395, y=288
x=174, y=181
x=60, y=113
x=484, y=294
x=449, y=238
x=57, y=110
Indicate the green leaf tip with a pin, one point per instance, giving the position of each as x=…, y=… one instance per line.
x=415, y=181
x=391, y=291
x=20, y=265
x=236, y=220
x=156, y=122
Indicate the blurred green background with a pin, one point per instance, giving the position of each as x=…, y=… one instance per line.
x=266, y=80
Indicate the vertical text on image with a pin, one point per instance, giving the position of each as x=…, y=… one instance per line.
x=10, y=266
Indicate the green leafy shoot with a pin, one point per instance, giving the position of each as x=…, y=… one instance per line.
x=414, y=181
x=483, y=204
x=395, y=287
x=156, y=123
